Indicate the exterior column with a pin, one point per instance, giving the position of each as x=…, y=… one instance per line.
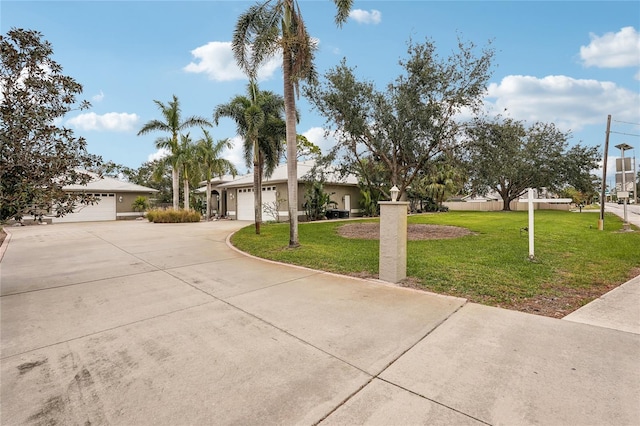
x=393, y=241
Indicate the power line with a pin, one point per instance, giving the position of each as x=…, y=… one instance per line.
x=626, y=122
x=627, y=134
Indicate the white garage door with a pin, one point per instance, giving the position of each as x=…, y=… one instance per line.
x=104, y=209
x=245, y=203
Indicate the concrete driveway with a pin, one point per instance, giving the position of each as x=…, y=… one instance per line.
x=133, y=323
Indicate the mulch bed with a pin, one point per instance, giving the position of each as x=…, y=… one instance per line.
x=415, y=232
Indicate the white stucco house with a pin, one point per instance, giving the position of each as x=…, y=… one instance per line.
x=236, y=195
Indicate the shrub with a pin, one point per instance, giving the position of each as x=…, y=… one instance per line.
x=140, y=204
x=317, y=201
x=172, y=216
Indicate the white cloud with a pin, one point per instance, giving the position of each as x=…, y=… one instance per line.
x=236, y=154
x=612, y=50
x=317, y=136
x=159, y=154
x=366, y=17
x=569, y=103
x=215, y=59
x=111, y=121
x=98, y=98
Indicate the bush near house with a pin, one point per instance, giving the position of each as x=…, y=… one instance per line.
x=140, y=204
x=172, y=216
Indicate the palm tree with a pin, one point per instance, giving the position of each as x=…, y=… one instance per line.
x=259, y=122
x=186, y=161
x=277, y=26
x=173, y=125
x=208, y=156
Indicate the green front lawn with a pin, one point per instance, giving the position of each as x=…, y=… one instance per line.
x=574, y=261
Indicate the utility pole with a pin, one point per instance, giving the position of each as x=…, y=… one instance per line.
x=604, y=174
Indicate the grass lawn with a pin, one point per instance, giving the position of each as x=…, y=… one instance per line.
x=574, y=264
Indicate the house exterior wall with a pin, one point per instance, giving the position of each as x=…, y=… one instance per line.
x=337, y=193
x=124, y=209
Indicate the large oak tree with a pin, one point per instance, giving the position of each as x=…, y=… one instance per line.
x=508, y=156
x=411, y=122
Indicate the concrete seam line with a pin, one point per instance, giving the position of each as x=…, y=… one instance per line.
x=344, y=401
x=78, y=283
x=262, y=320
x=288, y=333
x=421, y=339
x=108, y=329
x=377, y=375
x=434, y=401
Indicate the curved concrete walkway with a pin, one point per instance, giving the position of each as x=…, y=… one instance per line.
x=132, y=323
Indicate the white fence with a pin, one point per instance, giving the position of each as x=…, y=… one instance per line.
x=491, y=206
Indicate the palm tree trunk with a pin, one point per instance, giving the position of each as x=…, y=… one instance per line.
x=208, y=214
x=186, y=194
x=292, y=156
x=175, y=183
x=257, y=191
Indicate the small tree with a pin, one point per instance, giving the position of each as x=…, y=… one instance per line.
x=317, y=200
x=37, y=156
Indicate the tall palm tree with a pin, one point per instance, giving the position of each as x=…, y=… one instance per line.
x=208, y=156
x=173, y=124
x=259, y=122
x=188, y=166
x=276, y=26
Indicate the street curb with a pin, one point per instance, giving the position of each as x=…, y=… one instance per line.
x=375, y=281
x=5, y=243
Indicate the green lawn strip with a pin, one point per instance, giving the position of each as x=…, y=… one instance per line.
x=490, y=267
x=320, y=247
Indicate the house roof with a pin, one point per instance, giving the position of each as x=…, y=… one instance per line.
x=108, y=184
x=218, y=180
x=280, y=175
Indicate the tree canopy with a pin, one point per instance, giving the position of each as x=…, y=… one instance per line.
x=38, y=157
x=410, y=123
x=507, y=156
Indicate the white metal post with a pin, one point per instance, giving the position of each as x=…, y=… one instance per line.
x=531, y=251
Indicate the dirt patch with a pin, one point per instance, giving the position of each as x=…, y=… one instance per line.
x=3, y=235
x=415, y=232
x=560, y=306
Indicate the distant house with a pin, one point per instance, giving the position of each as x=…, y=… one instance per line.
x=475, y=198
x=115, y=200
x=238, y=194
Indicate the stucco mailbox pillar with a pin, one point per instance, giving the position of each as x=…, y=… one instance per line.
x=393, y=241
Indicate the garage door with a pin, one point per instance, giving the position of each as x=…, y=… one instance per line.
x=245, y=203
x=104, y=209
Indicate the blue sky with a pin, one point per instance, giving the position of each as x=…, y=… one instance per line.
x=567, y=62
